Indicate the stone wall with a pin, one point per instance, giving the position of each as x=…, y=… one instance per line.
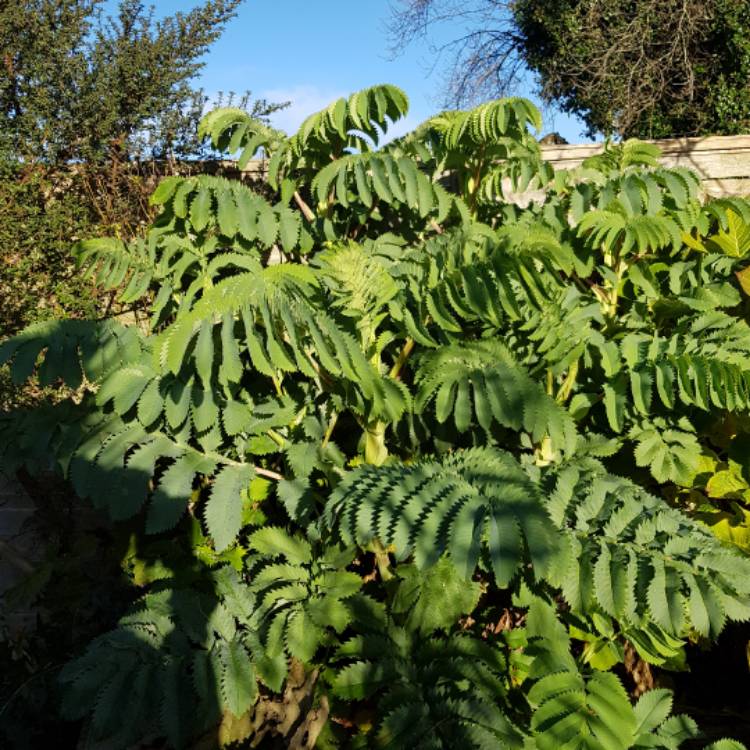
x=723, y=162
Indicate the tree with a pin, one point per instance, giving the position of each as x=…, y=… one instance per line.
x=78, y=85
x=649, y=68
x=412, y=446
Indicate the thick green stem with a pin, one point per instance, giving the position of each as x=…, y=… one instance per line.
x=382, y=560
x=376, y=454
x=613, y=297
x=329, y=430
x=402, y=357
x=280, y=440
x=375, y=449
x=570, y=380
x=544, y=455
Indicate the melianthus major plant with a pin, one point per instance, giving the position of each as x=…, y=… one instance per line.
x=430, y=420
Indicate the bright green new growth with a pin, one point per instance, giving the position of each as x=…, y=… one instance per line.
x=404, y=384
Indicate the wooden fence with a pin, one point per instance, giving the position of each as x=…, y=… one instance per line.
x=723, y=162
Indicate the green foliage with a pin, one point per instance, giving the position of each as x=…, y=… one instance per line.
x=299, y=595
x=479, y=382
x=612, y=540
x=416, y=682
x=176, y=662
x=85, y=96
x=422, y=412
x=80, y=83
x=706, y=46
x=650, y=69
x=38, y=278
x=470, y=498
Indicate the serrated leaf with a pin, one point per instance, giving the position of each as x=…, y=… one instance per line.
x=303, y=457
x=652, y=709
x=433, y=599
x=170, y=499
x=273, y=541
x=223, y=511
x=238, y=687
x=289, y=229
x=164, y=190
x=359, y=680
x=227, y=213
x=200, y=208
x=302, y=635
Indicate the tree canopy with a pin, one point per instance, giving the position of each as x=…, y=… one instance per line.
x=636, y=68
x=76, y=83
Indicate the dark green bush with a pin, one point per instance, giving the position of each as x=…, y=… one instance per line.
x=39, y=216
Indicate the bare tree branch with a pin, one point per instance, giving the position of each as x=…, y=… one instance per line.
x=485, y=53
x=631, y=67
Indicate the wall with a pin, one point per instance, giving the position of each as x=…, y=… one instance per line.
x=723, y=162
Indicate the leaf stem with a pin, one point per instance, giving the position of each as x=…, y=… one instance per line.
x=330, y=428
x=568, y=383
x=614, y=295
x=268, y=473
x=402, y=357
x=280, y=440
x=382, y=560
x=307, y=212
x=375, y=449
x=277, y=385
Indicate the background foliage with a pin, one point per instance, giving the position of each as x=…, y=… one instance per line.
x=93, y=110
x=692, y=59
x=79, y=84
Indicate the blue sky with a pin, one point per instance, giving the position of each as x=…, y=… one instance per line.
x=313, y=52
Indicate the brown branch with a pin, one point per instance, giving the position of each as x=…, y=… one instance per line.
x=307, y=212
x=308, y=731
x=268, y=473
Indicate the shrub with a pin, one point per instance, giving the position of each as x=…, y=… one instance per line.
x=417, y=415
x=36, y=231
